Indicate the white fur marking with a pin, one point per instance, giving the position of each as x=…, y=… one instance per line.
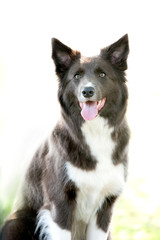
x=89, y=84
x=107, y=179
x=49, y=230
x=93, y=232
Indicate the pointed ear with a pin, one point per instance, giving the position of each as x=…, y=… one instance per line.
x=117, y=53
x=63, y=56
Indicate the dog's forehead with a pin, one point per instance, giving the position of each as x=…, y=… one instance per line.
x=95, y=63
x=89, y=61
x=90, y=65
x=86, y=60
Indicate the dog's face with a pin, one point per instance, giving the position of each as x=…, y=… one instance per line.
x=92, y=86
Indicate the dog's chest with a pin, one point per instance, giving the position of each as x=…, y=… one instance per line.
x=106, y=179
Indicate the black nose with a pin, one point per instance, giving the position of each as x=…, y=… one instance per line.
x=88, y=92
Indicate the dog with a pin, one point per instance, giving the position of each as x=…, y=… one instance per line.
x=76, y=176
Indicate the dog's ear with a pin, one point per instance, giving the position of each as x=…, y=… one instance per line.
x=117, y=53
x=63, y=56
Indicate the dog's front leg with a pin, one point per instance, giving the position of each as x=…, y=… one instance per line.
x=99, y=226
x=49, y=229
x=96, y=233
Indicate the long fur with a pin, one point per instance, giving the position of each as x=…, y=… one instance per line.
x=76, y=175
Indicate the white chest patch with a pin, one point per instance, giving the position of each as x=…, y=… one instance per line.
x=107, y=179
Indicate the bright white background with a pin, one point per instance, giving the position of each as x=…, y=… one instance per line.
x=28, y=107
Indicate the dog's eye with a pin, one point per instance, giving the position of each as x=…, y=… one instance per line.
x=77, y=76
x=102, y=74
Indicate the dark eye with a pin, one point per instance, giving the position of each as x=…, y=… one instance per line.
x=77, y=76
x=102, y=74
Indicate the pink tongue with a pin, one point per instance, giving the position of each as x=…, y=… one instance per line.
x=89, y=110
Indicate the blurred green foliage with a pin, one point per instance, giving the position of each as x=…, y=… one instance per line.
x=7, y=201
x=130, y=223
x=136, y=216
x=4, y=211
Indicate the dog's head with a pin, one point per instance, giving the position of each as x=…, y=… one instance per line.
x=92, y=86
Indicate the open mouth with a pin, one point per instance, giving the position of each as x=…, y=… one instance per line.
x=90, y=109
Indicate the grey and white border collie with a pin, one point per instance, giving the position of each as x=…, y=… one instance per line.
x=76, y=176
